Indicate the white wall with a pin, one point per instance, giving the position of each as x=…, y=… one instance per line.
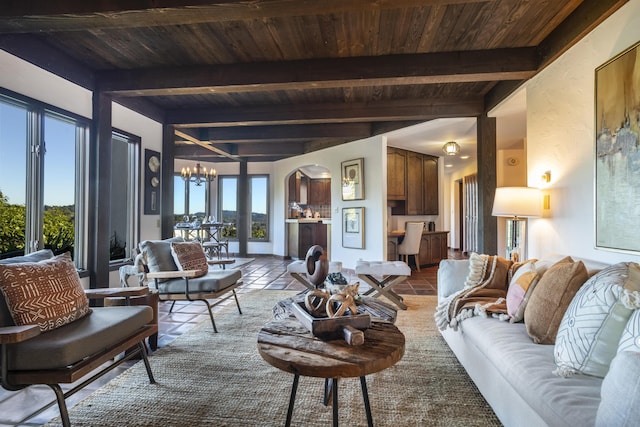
x=560, y=138
x=373, y=150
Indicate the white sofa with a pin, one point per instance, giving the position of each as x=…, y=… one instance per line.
x=513, y=374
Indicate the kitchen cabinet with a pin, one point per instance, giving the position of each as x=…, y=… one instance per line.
x=320, y=191
x=433, y=247
x=412, y=182
x=294, y=187
x=430, y=185
x=396, y=173
x=415, y=185
x=304, y=234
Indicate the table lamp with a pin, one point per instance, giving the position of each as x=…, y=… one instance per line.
x=517, y=204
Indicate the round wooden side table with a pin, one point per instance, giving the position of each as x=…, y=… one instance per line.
x=289, y=346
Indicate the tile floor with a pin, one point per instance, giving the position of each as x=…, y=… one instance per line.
x=35, y=405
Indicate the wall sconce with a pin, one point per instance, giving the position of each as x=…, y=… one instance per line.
x=451, y=148
x=546, y=177
x=517, y=204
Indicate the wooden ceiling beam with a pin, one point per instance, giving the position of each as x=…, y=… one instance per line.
x=405, y=110
x=191, y=150
x=289, y=133
x=406, y=69
x=74, y=15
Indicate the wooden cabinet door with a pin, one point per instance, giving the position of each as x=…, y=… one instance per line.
x=425, y=250
x=430, y=185
x=414, y=183
x=294, y=187
x=320, y=191
x=305, y=238
x=396, y=174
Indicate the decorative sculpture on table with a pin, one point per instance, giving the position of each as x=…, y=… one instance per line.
x=317, y=265
x=343, y=301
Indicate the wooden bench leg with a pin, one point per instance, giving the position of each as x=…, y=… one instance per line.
x=383, y=287
x=303, y=280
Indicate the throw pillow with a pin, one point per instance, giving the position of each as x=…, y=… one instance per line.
x=620, y=392
x=520, y=289
x=47, y=293
x=591, y=328
x=487, y=271
x=630, y=339
x=550, y=299
x=190, y=256
x=157, y=254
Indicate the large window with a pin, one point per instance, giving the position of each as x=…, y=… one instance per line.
x=190, y=201
x=42, y=178
x=125, y=155
x=258, y=206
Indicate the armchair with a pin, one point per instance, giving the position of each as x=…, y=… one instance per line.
x=63, y=340
x=180, y=270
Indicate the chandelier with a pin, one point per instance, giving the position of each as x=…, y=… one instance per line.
x=451, y=148
x=199, y=175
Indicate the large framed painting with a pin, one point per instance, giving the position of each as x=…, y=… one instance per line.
x=617, y=156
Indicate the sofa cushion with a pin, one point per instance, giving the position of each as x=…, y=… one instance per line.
x=620, y=392
x=550, y=299
x=103, y=328
x=528, y=368
x=189, y=256
x=521, y=286
x=5, y=314
x=47, y=293
x=591, y=328
x=214, y=281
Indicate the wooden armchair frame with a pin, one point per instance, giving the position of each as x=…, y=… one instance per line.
x=16, y=380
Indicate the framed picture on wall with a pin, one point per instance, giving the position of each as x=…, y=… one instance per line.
x=151, y=182
x=353, y=228
x=353, y=179
x=617, y=153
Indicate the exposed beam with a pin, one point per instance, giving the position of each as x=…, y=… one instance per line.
x=585, y=18
x=406, y=69
x=289, y=133
x=188, y=150
x=206, y=145
x=74, y=15
x=406, y=110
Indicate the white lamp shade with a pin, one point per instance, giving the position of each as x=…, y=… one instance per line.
x=517, y=202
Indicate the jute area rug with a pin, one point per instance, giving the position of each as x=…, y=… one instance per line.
x=221, y=380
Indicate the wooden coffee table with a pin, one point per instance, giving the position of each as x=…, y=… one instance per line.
x=289, y=346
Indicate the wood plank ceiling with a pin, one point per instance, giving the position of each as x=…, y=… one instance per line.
x=262, y=80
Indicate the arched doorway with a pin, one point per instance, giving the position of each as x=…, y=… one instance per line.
x=308, y=218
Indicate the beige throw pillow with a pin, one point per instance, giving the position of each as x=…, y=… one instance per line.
x=47, y=293
x=551, y=297
x=190, y=256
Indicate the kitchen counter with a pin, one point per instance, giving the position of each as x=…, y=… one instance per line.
x=307, y=220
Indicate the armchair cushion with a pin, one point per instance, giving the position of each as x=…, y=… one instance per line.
x=190, y=256
x=213, y=281
x=47, y=293
x=64, y=346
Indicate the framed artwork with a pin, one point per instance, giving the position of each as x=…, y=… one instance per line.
x=353, y=179
x=353, y=228
x=617, y=157
x=151, y=182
